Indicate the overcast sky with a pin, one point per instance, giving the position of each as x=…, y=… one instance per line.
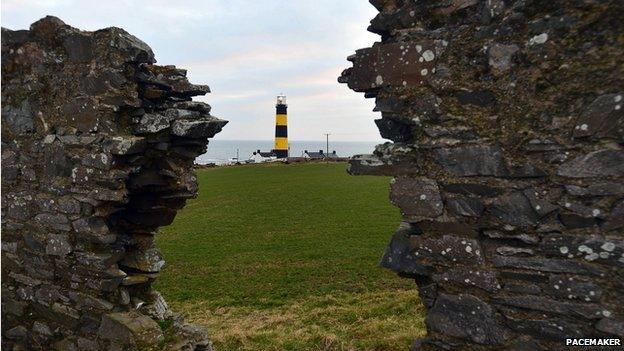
x=247, y=52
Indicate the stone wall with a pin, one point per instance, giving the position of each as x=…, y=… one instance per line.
x=508, y=161
x=98, y=145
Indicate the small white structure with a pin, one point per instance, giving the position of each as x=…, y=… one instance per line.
x=259, y=157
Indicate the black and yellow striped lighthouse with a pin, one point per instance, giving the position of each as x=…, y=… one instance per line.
x=281, y=128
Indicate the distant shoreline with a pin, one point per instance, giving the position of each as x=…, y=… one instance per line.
x=293, y=160
x=302, y=141
x=229, y=151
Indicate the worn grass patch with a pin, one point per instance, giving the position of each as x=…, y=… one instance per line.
x=274, y=241
x=383, y=320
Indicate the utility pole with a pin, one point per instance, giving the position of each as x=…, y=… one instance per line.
x=327, y=145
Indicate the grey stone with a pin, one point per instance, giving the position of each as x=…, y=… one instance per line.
x=58, y=244
x=48, y=294
x=537, y=145
x=94, y=228
x=24, y=279
x=447, y=250
x=396, y=128
x=546, y=329
x=580, y=208
x=459, y=133
x=149, y=260
x=611, y=326
x=416, y=197
x=465, y=206
x=13, y=307
x=18, y=332
x=616, y=218
x=193, y=106
x=601, y=163
x=132, y=47
x=546, y=265
x=100, y=160
x=134, y=279
x=467, y=317
x=124, y=296
x=127, y=145
x=65, y=345
x=575, y=221
x=9, y=247
x=68, y=205
x=389, y=104
x=205, y=128
x=540, y=206
x=152, y=123
x=604, y=117
x=41, y=328
x=86, y=344
x=105, y=194
x=56, y=162
x=473, y=160
x=499, y=57
x=522, y=288
x=14, y=37
x=463, y=276
x=596, y=189
x=83, y=111
x=371, y=164
x=526, y=171
x=79, y=47
x=472, y=189
x=583, y=310
x=391, y=68
x=513, y=251
x=158, y=308
x=130, y=328
x=86, y=302
x=53, y=221
x=96, y=261
x=398, y=257
x=65, y=310
x=19, y=119
x=514, y=209
x=573, y=288
x=590, y=248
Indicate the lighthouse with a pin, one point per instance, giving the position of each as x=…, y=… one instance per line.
x=281, y=128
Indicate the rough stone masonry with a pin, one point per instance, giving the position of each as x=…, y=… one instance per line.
x=507, y=124
x=98, y=145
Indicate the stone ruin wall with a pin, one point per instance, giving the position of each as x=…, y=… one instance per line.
x=98, y=145
x=508, y=161
x=507, y=127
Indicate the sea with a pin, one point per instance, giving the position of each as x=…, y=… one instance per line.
x=222, y=151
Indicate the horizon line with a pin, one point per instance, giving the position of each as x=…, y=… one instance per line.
x=297, y=140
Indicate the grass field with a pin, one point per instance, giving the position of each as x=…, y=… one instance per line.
x=285, y=257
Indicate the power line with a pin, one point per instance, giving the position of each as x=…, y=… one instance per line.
x=327, y=145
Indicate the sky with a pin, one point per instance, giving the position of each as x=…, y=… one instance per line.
x=247, y=52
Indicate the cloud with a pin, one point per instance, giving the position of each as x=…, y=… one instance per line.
x=269, y=56
x=247, y=51
x=12, y=5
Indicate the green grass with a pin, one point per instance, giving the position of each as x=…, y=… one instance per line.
x=274, y=240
